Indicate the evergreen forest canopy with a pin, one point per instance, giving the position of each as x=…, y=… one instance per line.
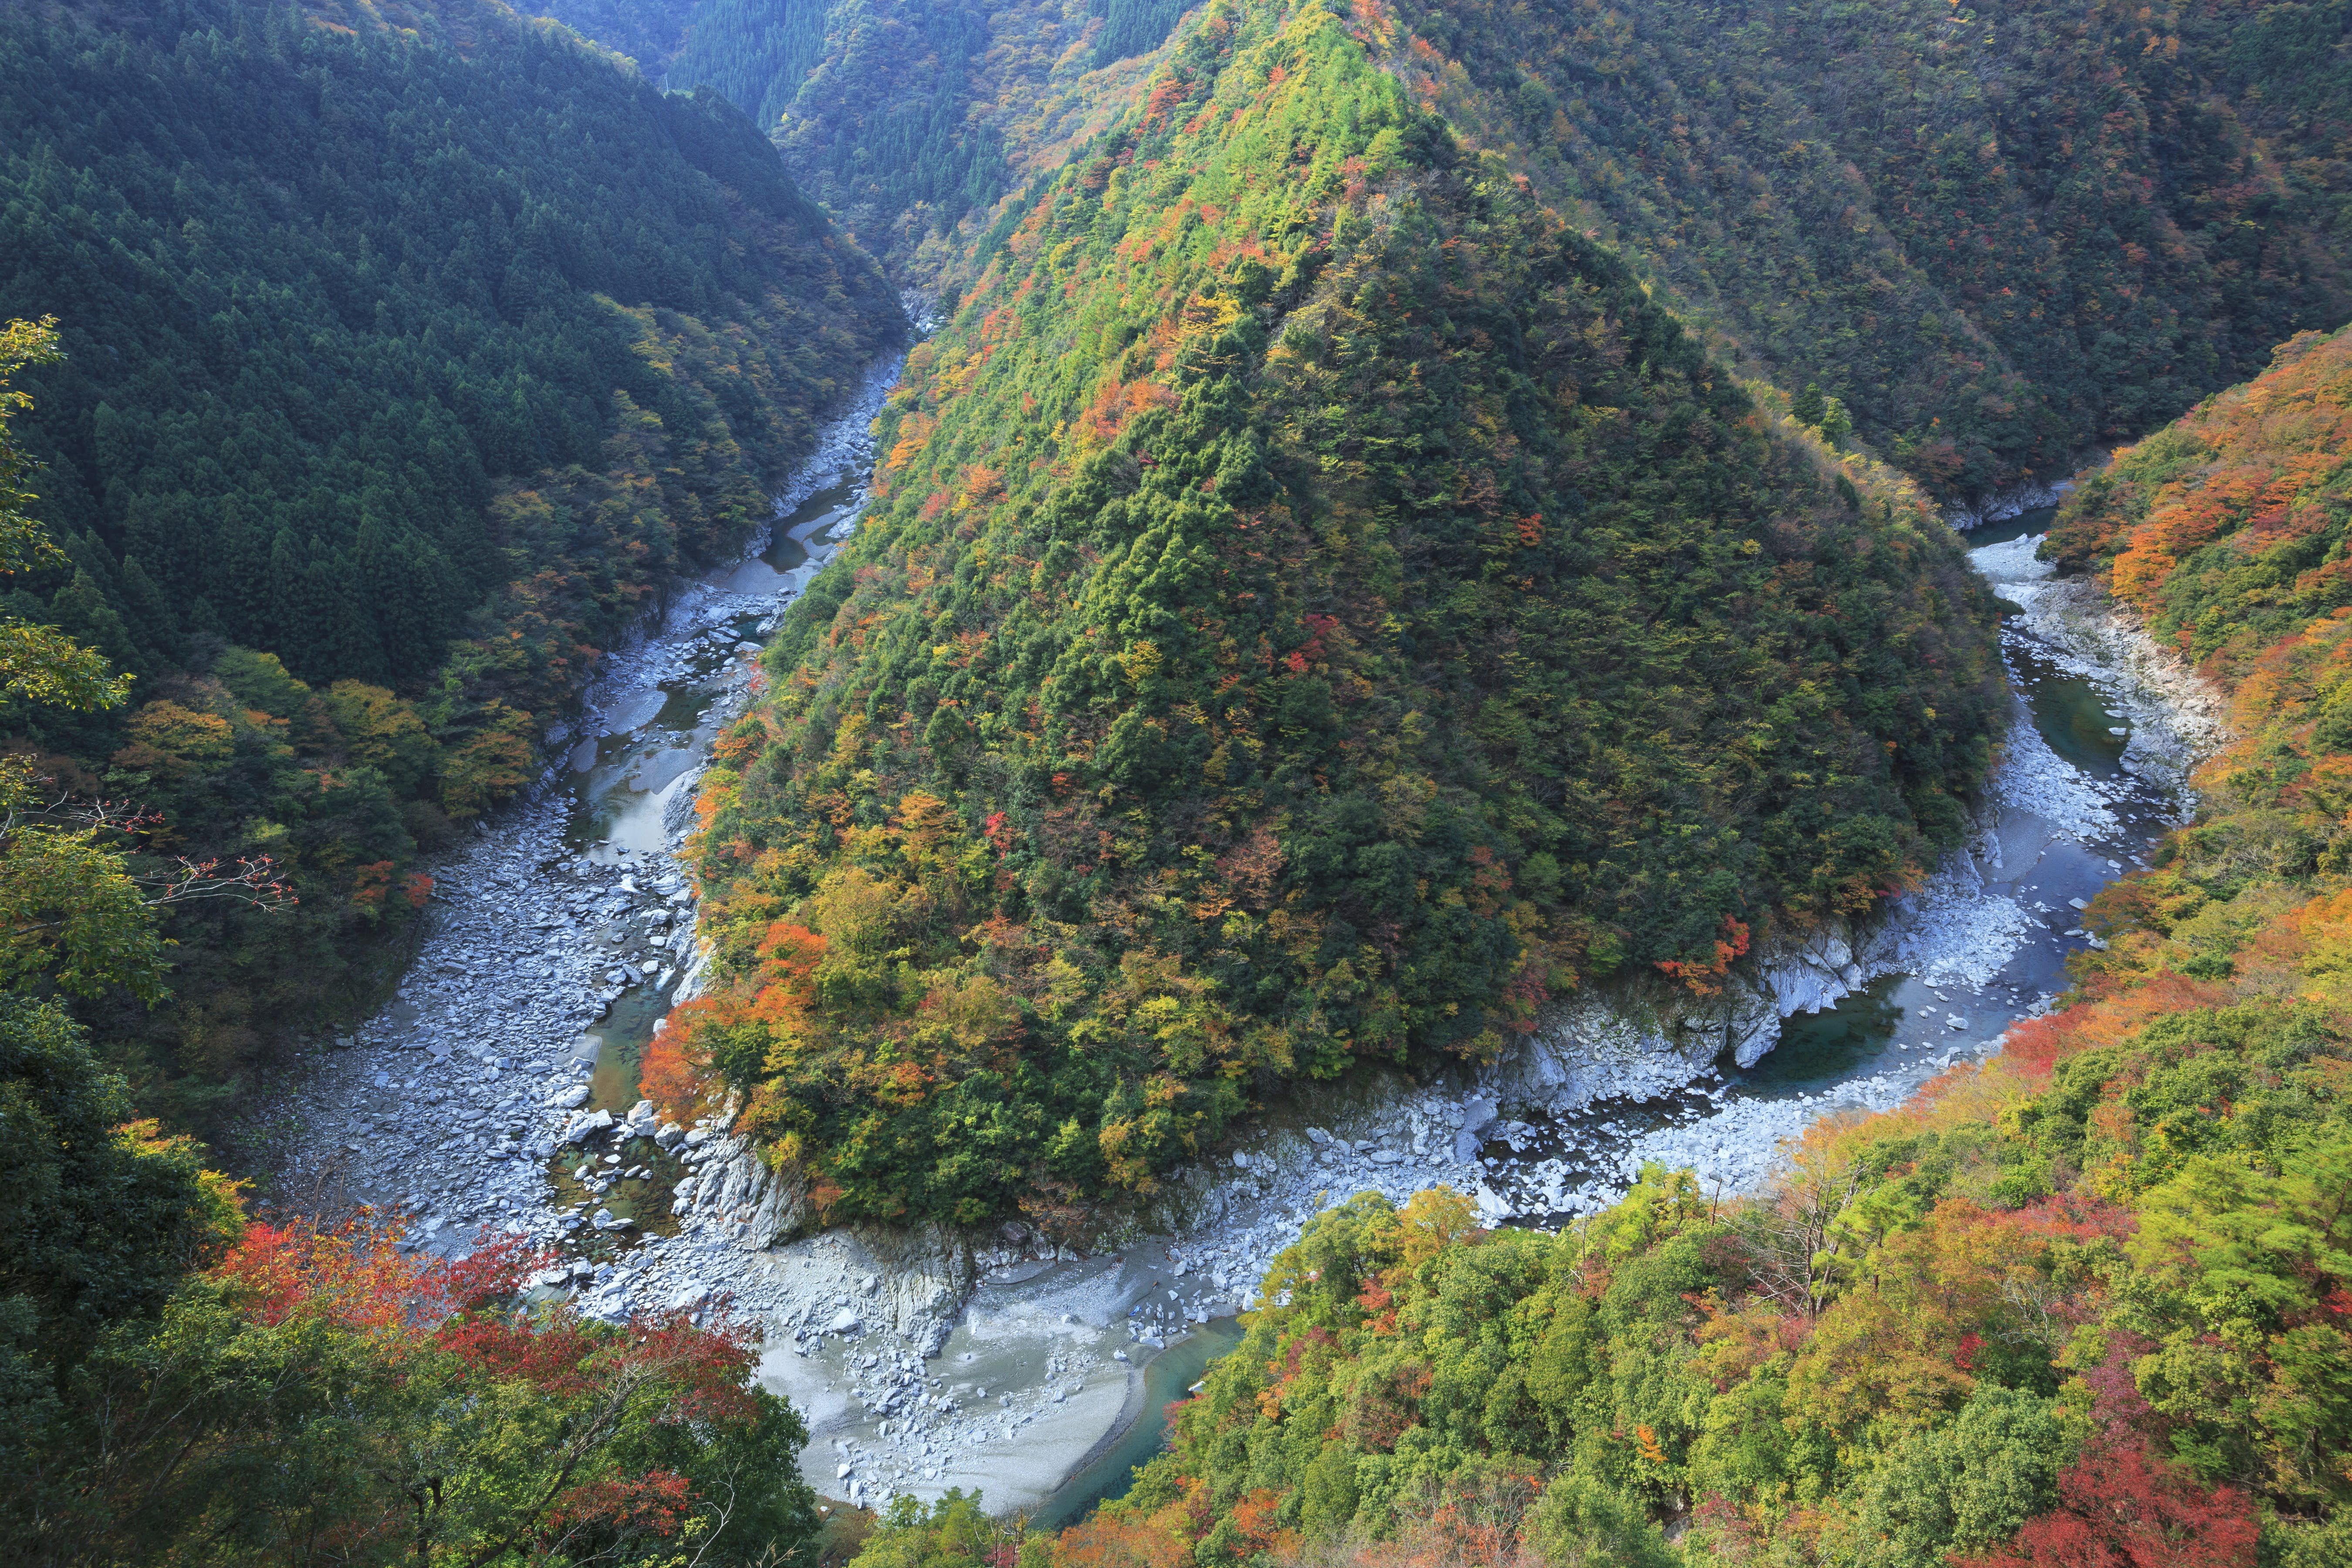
x=324, y=295
x=1320, y=609
x=401, y=370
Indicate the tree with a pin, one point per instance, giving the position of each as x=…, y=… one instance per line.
x=1579, y=1523
x=38, y=662
x=2120, y=1507
x=386, y=733
x=323, y=1386
x=1808, y=406
x=107, y=1217
x=955, y=1531
x=1965, y=1486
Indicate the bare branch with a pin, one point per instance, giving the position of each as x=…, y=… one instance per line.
x=171, y=879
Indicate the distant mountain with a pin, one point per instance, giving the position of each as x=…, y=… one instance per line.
x=1998, y=240
x=1322, y=607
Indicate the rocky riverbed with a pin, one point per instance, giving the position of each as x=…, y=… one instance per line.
x=497, y=1094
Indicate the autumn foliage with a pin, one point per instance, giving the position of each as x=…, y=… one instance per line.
x=676, y=1072
x=356, y=1276
x=1326, y=611
x=2245, y=493
x=416, y=1410
x=2120, y=1507
x=681, y=1071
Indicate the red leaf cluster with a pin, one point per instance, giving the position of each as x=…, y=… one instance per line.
x=355, y=1275
x=2120, y=1507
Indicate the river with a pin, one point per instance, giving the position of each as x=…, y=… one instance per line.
x=2092, y=774
x=1000, y=1363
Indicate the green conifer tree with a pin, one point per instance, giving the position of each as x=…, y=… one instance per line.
x=1808, y=406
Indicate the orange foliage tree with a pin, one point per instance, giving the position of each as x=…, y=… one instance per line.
x=685, y=1071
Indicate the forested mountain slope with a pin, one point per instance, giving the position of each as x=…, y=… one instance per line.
x=178, y=1385
x=1999, y=237
x=2002, y=235
x=324, y=321
x=401, y=369
x=2088, y=1303
x=1320, y=608
x=905, y=118
x=2227, y=531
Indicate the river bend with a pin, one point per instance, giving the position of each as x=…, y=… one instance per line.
x=999, y=1362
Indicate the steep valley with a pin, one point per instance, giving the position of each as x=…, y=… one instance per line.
x=1057, y=784
x=1005, y=1365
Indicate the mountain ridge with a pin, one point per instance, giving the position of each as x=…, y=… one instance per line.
x=1198, y=694
x=2000, y=239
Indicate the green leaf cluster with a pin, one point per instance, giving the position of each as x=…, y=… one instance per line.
x=110, y=1215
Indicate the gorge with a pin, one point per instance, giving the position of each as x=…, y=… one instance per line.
x=866, y=1327
x=1041, y=784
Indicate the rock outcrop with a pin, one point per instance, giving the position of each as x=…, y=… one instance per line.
x=1645, y=1042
